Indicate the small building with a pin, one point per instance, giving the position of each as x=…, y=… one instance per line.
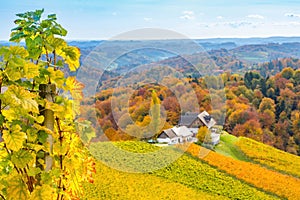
x=175, y=135
x=194, y=121
x=183, y=132
x=168, y=136
x=215, y=136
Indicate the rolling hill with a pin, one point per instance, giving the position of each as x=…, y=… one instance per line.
x=190, y=175
x=102, y=60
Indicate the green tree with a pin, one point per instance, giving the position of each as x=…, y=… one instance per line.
x=297, y=76
x=42, y=157
x=287, y=73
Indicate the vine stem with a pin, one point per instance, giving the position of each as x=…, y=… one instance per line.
x=29, y=183
x=2, y=197
x=60, y=197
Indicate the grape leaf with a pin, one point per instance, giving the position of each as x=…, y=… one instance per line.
x=75, y=87
x=31, y=70
x=21, y=158
x=44, y=192
x=32, y=171
x=10, y=115
x=14, y=137
x=18, y=96
x=17, y=189
x=71, y=56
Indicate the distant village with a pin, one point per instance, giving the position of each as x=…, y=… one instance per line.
x=187, y=129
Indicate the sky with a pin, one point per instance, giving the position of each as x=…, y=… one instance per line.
x=105, y=19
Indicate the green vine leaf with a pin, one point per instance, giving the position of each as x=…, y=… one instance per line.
x=21, y=158
x=32, y=171
x=71, y=56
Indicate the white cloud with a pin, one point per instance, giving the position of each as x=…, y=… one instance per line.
x=292, y=15
x=238, y=24
x=232, y=24
x=188, y=15
x=188, y=12
x=255, y=16
x=286, y=23
x=220, y=17
x=114, y=13
x=294, y=23
x=147, y=19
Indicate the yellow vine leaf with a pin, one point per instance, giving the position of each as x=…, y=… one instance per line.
x=42, y=128
x=54, y=107
x=10, y=115
x=60, y=149
x=75, y=87
x=72, y=108
x=17, y=189
x=18, y=96
x=44, y=192
x=19, y=51
x=31, y=70
x=32, y=171
x=56, y=76
x=12, y=72
x=14, y=137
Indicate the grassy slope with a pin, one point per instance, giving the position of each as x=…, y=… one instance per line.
x=228, y=148
x=192, y=176
x=246, y=149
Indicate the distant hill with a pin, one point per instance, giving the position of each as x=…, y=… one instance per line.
x=256, y=53
x=210, y=56
x=247, y=41
x=227, y=53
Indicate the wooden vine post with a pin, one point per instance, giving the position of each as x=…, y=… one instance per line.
x=47, y=92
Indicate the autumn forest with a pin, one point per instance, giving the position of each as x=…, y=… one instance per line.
x=265, y=108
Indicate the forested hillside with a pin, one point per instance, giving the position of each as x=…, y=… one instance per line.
x=265, y=109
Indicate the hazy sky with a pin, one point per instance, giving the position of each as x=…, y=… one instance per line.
x=103, y=19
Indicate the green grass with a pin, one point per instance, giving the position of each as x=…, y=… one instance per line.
x=228, y=148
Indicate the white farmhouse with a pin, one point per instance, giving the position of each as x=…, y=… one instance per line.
x=194, y=120
x=175, y=135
